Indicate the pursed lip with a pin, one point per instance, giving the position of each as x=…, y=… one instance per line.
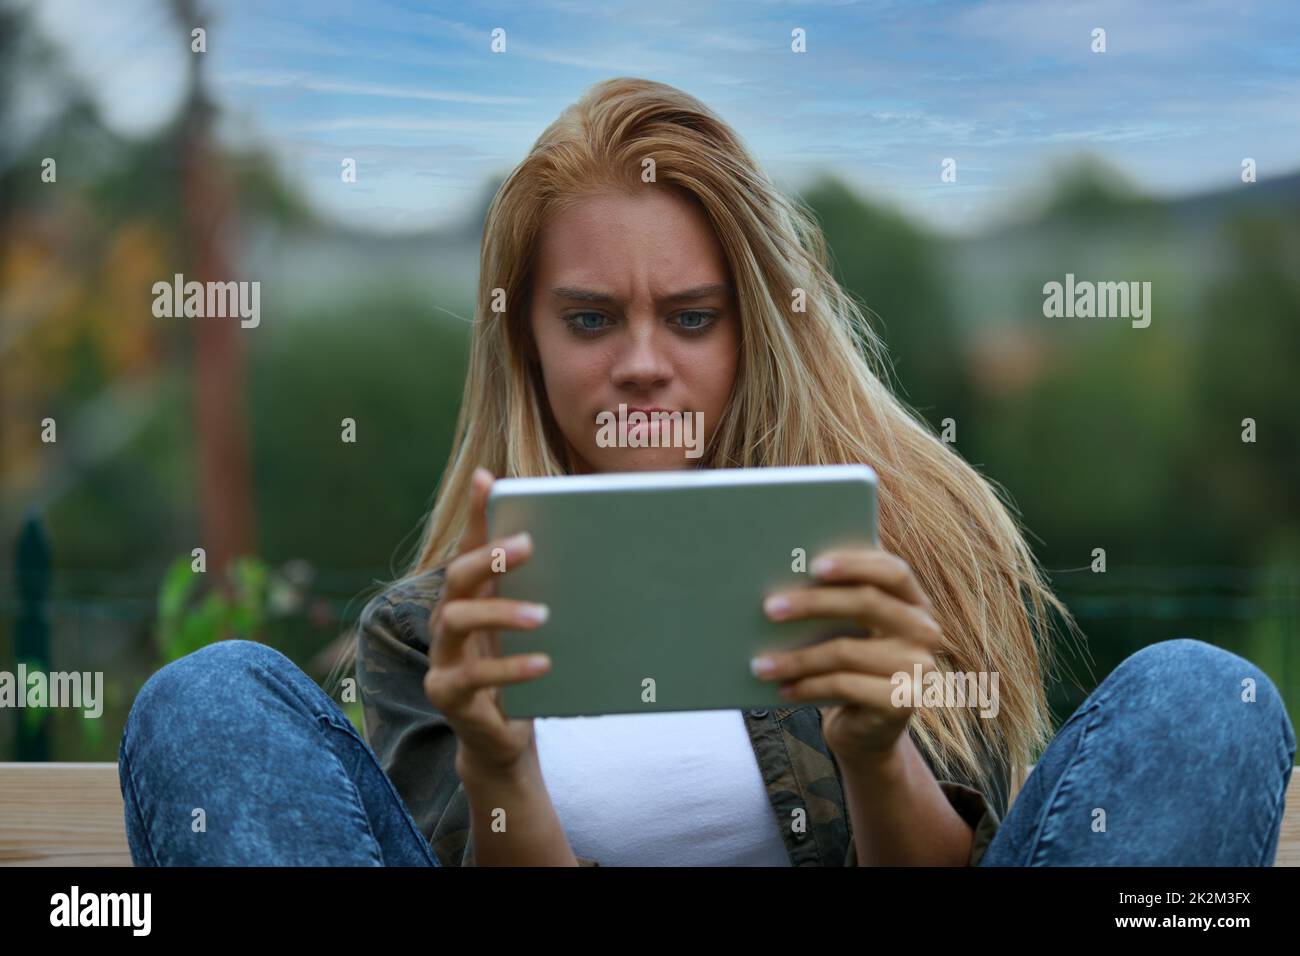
x=635, y=408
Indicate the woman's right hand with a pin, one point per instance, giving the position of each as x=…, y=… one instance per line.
x=465, y=666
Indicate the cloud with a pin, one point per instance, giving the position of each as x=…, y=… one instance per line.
x=316, y=84
x=129, y=55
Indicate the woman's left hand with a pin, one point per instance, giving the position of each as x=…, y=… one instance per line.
x=879, y=591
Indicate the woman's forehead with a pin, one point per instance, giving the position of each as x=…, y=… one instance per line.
x=611, y=237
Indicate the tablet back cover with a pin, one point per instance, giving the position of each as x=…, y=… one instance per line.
x=655, y=581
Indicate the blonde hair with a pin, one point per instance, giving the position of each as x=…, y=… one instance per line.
x=806, y=393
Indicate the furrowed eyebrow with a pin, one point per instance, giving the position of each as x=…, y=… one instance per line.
x=604, y=298
x=699, y=292
x=582, y=295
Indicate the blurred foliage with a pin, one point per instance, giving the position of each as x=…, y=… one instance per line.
x=186, y=624
x=381, y=361
x=888, y=264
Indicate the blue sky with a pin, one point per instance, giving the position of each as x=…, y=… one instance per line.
x=885, y=91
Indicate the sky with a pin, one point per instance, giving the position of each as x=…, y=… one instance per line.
x=885, y=92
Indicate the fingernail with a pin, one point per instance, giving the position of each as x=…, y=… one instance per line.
x=519, y=541
x=776, y=605
x=537, y=662
x=762, y=666
x=533, y=613
x=823, y=566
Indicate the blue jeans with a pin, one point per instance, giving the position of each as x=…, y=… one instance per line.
x=232, y=756
x=1182, y=771
x=1164, y=764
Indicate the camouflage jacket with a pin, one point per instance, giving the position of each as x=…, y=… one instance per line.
x=417, y=748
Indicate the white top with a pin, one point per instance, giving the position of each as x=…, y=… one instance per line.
x=665, y=789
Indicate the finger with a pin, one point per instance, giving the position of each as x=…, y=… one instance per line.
x=866, y=604
x=881, y=657
x=469, y=570
x=465, y=617
x=458, y=621
x=862, y=690
x=452, y=687
x=476, y=531
x=871, y=566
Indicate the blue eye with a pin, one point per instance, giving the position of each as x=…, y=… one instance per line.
x=579, y=327
x=705, y=319
x=588, y=324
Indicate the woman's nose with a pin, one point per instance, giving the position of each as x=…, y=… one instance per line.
x=641, y=361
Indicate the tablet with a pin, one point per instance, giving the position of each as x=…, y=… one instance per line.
x=655, y=580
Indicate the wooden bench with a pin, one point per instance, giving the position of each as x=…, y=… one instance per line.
x=61, y=814
x=71, y=814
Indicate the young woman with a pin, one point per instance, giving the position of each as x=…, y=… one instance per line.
x=638, y=256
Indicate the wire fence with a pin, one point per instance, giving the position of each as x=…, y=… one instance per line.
x=106, y=621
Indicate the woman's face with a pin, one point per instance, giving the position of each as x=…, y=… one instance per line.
x=632, y=304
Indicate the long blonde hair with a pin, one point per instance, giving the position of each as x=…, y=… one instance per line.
x=809, y=390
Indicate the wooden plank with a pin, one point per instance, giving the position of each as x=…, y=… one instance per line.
x=71, y=814
x=61, y=814
x=1288, y=843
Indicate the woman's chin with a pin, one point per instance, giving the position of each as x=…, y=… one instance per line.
x=644, y=459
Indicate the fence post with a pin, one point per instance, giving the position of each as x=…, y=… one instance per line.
x=32, y=637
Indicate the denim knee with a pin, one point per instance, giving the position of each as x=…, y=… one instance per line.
x=1191, y=679
x=202, y=685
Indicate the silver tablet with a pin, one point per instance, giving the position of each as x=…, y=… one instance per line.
x=656, y=580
